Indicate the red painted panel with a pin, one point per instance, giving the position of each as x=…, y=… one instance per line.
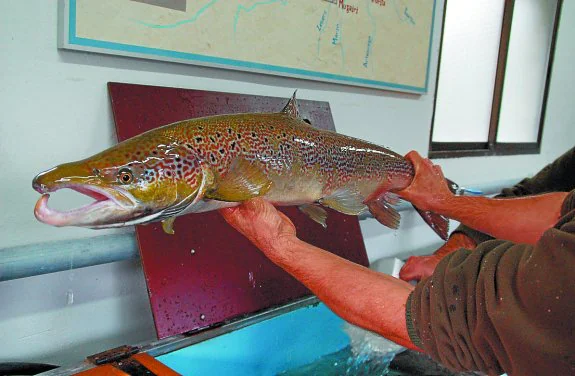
x=207, y=273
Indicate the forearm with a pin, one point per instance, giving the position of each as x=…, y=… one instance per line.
x=455, y=242
x=521, y=220
x=371, y=300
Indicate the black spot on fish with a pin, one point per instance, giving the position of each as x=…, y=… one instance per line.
x=178, y=159
x=213, y=158
x=189, y=146
x=254, y=134
x=155, y=152
x=229, y=130
x=168, y=173
x=199, y=139
x=218, y=134
x=212, y=139
x=233, y=145
x=222, y=151
x=239, y=135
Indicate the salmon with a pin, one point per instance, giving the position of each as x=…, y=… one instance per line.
x=209, y=163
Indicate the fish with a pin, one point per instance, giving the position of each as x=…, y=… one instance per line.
x=209, y=163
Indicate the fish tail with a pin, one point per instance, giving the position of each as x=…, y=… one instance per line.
x=437, y=222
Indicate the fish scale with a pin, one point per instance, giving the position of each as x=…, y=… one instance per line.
x=219, y=161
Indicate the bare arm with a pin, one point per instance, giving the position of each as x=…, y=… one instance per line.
x=359, y=295
x=521, y=220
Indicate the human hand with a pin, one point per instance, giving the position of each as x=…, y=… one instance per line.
x=267, y=228
x=417, y=268
x=428, y=190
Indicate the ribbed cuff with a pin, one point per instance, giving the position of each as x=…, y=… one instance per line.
x=411, y=331
x=477, y=236
x=568, y=203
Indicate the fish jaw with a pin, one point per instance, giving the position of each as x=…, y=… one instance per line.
x=112, y=206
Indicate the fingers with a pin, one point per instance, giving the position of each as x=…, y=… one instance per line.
x=409, y=271
x=413, y=157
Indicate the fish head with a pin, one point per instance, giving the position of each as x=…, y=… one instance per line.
x=137, y=181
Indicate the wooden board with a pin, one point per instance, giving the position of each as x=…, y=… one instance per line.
x=207, y=273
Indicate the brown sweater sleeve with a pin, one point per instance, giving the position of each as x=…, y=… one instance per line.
x=504, y=307
x=557, y=176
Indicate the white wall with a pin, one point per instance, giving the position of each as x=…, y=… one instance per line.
x=54, y=108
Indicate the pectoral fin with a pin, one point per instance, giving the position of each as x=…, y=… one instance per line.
x=346, y=201
x=315, y=212
x=168, y=225
x=243, y=181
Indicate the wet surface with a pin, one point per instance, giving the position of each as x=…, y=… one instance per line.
x=207, y=273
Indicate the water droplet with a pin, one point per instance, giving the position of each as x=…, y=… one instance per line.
x=202, y=317
x=193, y=251
x=70, y=297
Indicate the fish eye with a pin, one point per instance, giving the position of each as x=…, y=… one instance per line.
x=125, y=176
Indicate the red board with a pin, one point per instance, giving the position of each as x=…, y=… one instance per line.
x=207, y=273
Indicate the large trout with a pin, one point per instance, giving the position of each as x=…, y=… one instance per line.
x=209, y=163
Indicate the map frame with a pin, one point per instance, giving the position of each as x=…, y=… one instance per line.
x=69, y=40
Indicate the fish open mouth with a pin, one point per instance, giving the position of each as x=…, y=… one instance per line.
x=105, y=206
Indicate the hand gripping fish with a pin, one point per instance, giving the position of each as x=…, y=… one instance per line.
x=208, y=163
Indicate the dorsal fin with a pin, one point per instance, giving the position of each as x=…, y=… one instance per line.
x=291, y=107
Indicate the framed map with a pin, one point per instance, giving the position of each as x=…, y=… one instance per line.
x=384, y=44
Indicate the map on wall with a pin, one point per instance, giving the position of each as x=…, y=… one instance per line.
x=384, y=44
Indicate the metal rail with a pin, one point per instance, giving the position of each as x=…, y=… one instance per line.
x=49, y=257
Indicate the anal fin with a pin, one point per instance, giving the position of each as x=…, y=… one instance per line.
x=437, y=222
x=315, y=212
x=382, y=210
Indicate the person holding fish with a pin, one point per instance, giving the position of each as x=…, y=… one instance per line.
x=507, y=306
x=555, y=177
x=482, y=310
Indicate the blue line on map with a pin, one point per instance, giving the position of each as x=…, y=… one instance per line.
x=179, y=23
x=103, y=46
x=251, y=8
x=322, y=26
x=371, y=39
x=408, y=16
x=403, y=16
